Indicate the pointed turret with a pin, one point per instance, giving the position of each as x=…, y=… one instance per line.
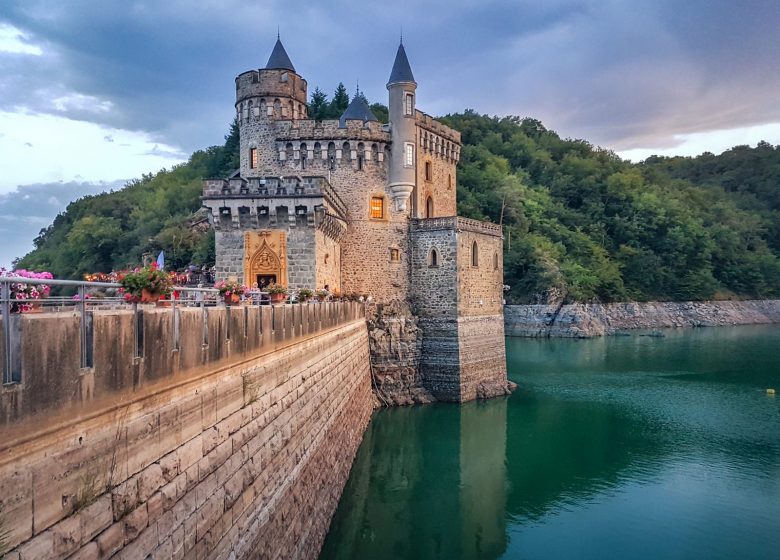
x=403, y=160
x=358, y=110
x=279, y=59
x=402, y=72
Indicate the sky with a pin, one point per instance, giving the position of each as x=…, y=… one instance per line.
x=94, y=93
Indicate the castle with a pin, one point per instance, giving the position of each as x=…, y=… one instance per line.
x=362, y=207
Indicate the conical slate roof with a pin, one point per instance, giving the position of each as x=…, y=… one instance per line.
x=279, y=59
x=401, y=72
x=358, y=110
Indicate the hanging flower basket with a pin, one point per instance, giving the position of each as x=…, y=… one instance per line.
x=277, y=292
x=230, y=291
x=145, y=285
x=25, y=292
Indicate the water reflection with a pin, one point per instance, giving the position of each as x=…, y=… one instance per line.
x=621, y=447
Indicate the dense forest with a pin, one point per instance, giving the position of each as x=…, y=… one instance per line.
x=580, y=223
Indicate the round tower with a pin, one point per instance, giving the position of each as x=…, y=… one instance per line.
x=403, y=160
x=275, y=92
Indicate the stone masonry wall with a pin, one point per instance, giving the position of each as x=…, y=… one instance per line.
x=480, y=288
x=245, y=460
x=301, y=247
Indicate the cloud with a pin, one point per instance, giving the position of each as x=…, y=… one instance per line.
x=14, y=41
x=48, y=148
x=29, y=208
x=626, y=75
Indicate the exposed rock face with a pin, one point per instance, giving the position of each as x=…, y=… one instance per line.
x=396, y=344
x=580, y=320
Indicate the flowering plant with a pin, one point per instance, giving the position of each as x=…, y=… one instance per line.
x=305, y=294
x=25, y=292
x=228, y=288
x=275, y=289
x=101, y=277
x=149, y=279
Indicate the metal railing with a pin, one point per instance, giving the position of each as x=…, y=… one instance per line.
x=89, y=297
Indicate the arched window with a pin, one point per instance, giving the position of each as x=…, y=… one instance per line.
x=317, y=150
x=433, y=259
x=495, y=261
x=263, y=110
x=374, y=152
x=429, y=207
x=304, y=154
x=346, y=151
x=474, y=255
x=277, y=108
x=290, y=151
x=361, y=151
x=331, y=155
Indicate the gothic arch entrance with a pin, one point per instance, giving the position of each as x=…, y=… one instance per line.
x=265, y=258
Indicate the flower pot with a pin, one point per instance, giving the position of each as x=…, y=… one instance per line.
x=232, y=299
x=149, y=297
x=277, y=298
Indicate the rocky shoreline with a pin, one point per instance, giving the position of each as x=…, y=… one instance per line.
x=586, y=320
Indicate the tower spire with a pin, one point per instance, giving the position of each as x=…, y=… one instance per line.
x=401, y=72
x=279, y=60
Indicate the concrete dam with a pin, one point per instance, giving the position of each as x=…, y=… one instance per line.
x=191, y=433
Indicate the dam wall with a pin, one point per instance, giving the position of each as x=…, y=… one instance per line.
x=224, y=433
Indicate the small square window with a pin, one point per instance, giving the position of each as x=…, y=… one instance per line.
x=377, y=207
x=395, y=255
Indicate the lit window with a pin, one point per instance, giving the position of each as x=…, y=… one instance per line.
x=409, y=104
x=377, y=207
x=253, y=158
x=409, y=154
x=474, y=255
x=395, y=255
x=428, y=171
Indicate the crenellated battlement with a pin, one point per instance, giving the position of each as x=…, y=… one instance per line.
x=437, y=139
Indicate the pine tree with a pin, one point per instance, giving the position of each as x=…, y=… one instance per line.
x=340, y=102
x=318, y=108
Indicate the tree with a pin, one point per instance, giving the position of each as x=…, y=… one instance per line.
x=339, y=103
x=318, y=107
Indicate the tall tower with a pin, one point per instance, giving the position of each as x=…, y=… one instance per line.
x=403, y=163
x=263, y=96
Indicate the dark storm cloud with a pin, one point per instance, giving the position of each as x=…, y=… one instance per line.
x=621, y=74
x=30, y=208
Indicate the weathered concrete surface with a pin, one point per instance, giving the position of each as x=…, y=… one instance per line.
x=244, y=459
x=589, y=320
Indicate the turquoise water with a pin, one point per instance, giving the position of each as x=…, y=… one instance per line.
x=622, y=447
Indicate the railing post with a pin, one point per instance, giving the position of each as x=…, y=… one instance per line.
x=5, y=304
x=83, y=325
x=175, y=324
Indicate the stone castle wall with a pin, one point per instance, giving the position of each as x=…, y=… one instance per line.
x=244, y=457
x=300, y=258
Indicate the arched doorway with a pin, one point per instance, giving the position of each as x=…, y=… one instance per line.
x=429, y=207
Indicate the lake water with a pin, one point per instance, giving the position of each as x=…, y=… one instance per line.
x=619, y=447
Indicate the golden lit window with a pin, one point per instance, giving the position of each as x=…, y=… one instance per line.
x=377, y=207
x=395, y=255
x=253, y=158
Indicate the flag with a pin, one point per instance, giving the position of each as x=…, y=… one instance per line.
x=161, y=260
